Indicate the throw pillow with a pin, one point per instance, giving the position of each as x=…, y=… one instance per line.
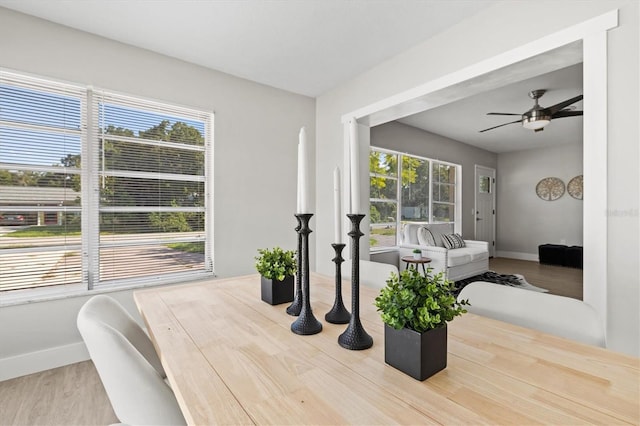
x=425, y=237
x=453, y=241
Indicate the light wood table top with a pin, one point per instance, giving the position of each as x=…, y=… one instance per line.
x=232, y=359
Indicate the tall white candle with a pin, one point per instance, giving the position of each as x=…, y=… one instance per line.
x=354, y=156
x=304, y=172
x=336, y=207
x=299, y=183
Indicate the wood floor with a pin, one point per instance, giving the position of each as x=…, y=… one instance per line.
x=558, y=280
x=74, y=395
x=70, y=395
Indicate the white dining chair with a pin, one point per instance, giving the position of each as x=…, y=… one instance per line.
x=557, y=315
x=372, y=274
x=127, y=364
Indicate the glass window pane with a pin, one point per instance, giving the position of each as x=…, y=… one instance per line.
x=125, y=191
x=415, y=189
x=383, y=224
x=383, y=164
x=151, y=260
x=115, y=227
x=144, y=124
x=444, y=173
x=38, y=148
x=118, y=155
x=29, y=106
x=443, y=212
x=444, y=192
x=484, y=184
x=383, y=188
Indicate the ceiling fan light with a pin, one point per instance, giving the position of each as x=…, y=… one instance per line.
x=535, y=124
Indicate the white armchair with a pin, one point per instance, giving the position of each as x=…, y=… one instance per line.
x=458, y=263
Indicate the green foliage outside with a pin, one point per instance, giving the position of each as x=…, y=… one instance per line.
x=46, y=231
x=276, y=264
x=418, y=302
x=188, y=247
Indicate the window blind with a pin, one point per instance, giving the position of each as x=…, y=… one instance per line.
x=41, y=132
x=152, y=185
x=100, y=189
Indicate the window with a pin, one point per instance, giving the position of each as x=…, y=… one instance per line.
x=406, y=188
x=99, y=189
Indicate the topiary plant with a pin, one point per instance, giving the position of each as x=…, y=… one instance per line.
x=276, y=264
x=419, y=302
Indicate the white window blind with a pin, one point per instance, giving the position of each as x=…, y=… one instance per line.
x=41, y=135
x=100, y=189
x=151, y=178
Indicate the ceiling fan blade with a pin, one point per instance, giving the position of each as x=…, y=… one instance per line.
x=565, y=113
x=502, y=113
x=557, y=107
x=495, y=127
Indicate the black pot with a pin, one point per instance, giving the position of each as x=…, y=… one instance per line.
x=275, y=292
x=420, y=355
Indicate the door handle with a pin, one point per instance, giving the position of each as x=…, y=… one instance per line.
x=478, y=218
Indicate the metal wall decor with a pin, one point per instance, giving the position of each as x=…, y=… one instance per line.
x=550, y=188
x=574, y=187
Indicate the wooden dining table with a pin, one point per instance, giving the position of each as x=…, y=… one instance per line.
x=232, y=359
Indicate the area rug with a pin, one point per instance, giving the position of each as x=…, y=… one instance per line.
x=515, y=280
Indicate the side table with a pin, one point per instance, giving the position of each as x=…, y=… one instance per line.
x=410, y=260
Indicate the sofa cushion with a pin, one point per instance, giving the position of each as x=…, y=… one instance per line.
x=410, y=233
x=452, y=241
x=425, y=237
x=465, y=255
x=438, y=229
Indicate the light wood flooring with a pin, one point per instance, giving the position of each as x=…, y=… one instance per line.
x=69, y=395
x=74, y=395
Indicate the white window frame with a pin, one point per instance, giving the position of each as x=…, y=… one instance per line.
x=90, y=210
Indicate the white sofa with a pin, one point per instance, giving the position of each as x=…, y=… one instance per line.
x=457, y=264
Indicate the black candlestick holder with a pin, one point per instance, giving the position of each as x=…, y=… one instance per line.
x=338, y=314
x=306, y=323
x=296, y=306
x=355, y=337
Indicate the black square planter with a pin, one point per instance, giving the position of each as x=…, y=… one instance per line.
x=275, y=292
x=420, y=355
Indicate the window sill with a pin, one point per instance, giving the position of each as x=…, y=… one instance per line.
x=28, y=296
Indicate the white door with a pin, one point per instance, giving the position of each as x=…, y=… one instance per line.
x=485, y=208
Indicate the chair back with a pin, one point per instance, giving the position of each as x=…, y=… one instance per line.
x=372, y=274
x=557, y=315
x=124, y=358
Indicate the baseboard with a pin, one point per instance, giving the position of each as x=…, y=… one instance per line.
x=34, y=362
x=517, y=255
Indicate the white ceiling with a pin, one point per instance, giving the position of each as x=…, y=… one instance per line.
x=306, y=47
x=311, y=46
x=462, y=120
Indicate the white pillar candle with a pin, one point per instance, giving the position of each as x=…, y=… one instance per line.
x=337, y=207
x=354, y=154
x=303, y=164
x=299, y=183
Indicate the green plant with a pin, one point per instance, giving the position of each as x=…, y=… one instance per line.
x=419, y=302
x=417, y=251
x=276, y=264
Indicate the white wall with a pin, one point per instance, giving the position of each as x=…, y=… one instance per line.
x=523, y=220
x=256, y=136
x=403, y=138
x=505, y=26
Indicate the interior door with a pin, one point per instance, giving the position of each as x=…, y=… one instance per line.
x=485, y=207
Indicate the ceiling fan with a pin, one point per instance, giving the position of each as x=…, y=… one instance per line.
x=537, y=117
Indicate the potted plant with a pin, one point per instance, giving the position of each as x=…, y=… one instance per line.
x=417, y=254
x=415, y=309
x=277, y=268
